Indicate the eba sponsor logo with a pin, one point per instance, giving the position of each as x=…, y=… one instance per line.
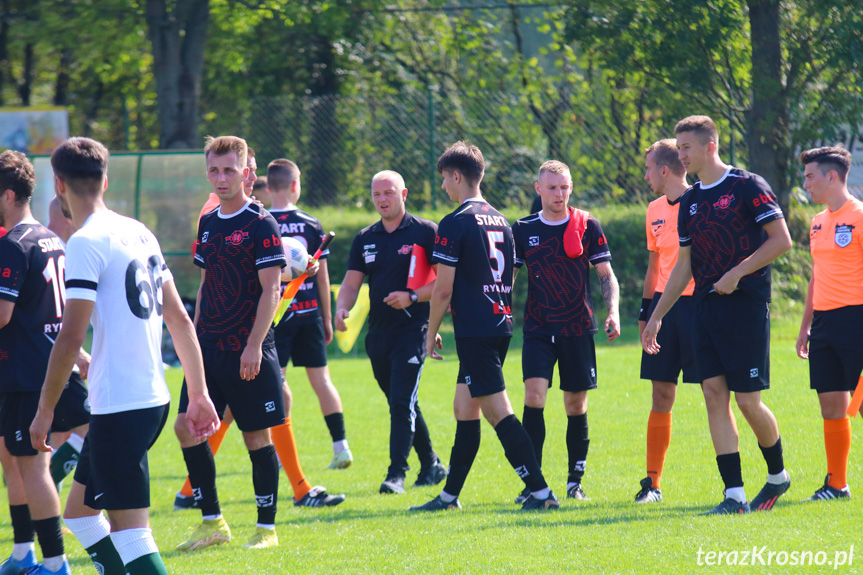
x=724, y=202
x=272, y=241
x=762, y=199
x=237, y=238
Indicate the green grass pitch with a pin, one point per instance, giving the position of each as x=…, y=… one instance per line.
x=372, y=533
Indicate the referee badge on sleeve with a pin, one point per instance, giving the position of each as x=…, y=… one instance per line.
x=843, y=235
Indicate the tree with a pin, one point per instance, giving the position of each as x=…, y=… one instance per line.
x=178, y=34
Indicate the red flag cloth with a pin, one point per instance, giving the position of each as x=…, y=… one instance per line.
x=575, y=229
x=420, y=273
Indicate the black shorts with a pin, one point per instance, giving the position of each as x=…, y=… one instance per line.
x=303, y=343
x=480, y=364
x=73, y=409
x=16, y=414
x=256, y=404
x=731, y=334
x=675, y=341
x=113, y=465
x=836, y=349
x=575, y=358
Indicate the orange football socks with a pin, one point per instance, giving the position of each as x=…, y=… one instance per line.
x=286, y=447
x=658, y=440
x=837, y=441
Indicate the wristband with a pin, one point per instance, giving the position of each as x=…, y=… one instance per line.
x=645, y=306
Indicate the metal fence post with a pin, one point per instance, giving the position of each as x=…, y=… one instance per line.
x=138, y=188
x=432, y=162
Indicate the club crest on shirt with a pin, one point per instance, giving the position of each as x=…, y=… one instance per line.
x=724, y=201
x=843, y=235
x=406, y=249
x=236, y=238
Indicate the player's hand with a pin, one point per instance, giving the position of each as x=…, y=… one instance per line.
x=438, y=343
x=727, y=283
x=39, y=431
x=398, y=300
x=202, y=420
x=312, y=270
x=250, y=362
x=648, y=336
x=612, y=327
x=341, y=315
x=257, y=201
x=641, y=325
x=83, y=363
x=328, y=331
x=431, y=344
x=803, y=344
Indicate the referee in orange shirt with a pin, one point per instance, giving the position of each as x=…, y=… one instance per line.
x=831, y=333
x=667, y=178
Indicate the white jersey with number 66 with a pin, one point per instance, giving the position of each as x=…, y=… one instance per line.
x=116, y=262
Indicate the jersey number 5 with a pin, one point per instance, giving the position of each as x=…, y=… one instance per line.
x=495, y=254
x=144, y=287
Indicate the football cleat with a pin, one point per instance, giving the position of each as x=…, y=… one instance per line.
x=184, y=502
x=431, y=475
x=318, y=497
x=576, y=492
x=393, y=485
x=728, y=507
x=768, y=495
x=534, y=504
x=648, y=493
x=341, y=460
x=829, y=492
x=262, y=539
x=210, y=532
x=42, y=570
x=523, y=495
x=437, y=504
x=13, y=566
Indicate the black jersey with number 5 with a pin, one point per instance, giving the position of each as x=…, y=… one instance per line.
x=477, y=240
x=32, y=269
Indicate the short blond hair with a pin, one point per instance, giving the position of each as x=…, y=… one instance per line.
x=396, y=178
x=553, y=167
x=665, y=154
x=225, y=145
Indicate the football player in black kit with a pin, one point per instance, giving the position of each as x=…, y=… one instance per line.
x=307, y=326
x=32, y=299
x=731, y=228
x=474, y=252
x=559, y=245
x=240, y=252
x=398, y=319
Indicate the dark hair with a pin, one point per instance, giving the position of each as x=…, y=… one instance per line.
x=829, y=158
x=81, y=161
x=702, y=126
x=260, y=184
x=463, y=158
x=665, y=154
x=281, y=174
x=17, y=174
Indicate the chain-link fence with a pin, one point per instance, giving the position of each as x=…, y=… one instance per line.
x=340, y=142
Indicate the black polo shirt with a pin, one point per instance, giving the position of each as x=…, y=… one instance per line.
x=385, y=258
